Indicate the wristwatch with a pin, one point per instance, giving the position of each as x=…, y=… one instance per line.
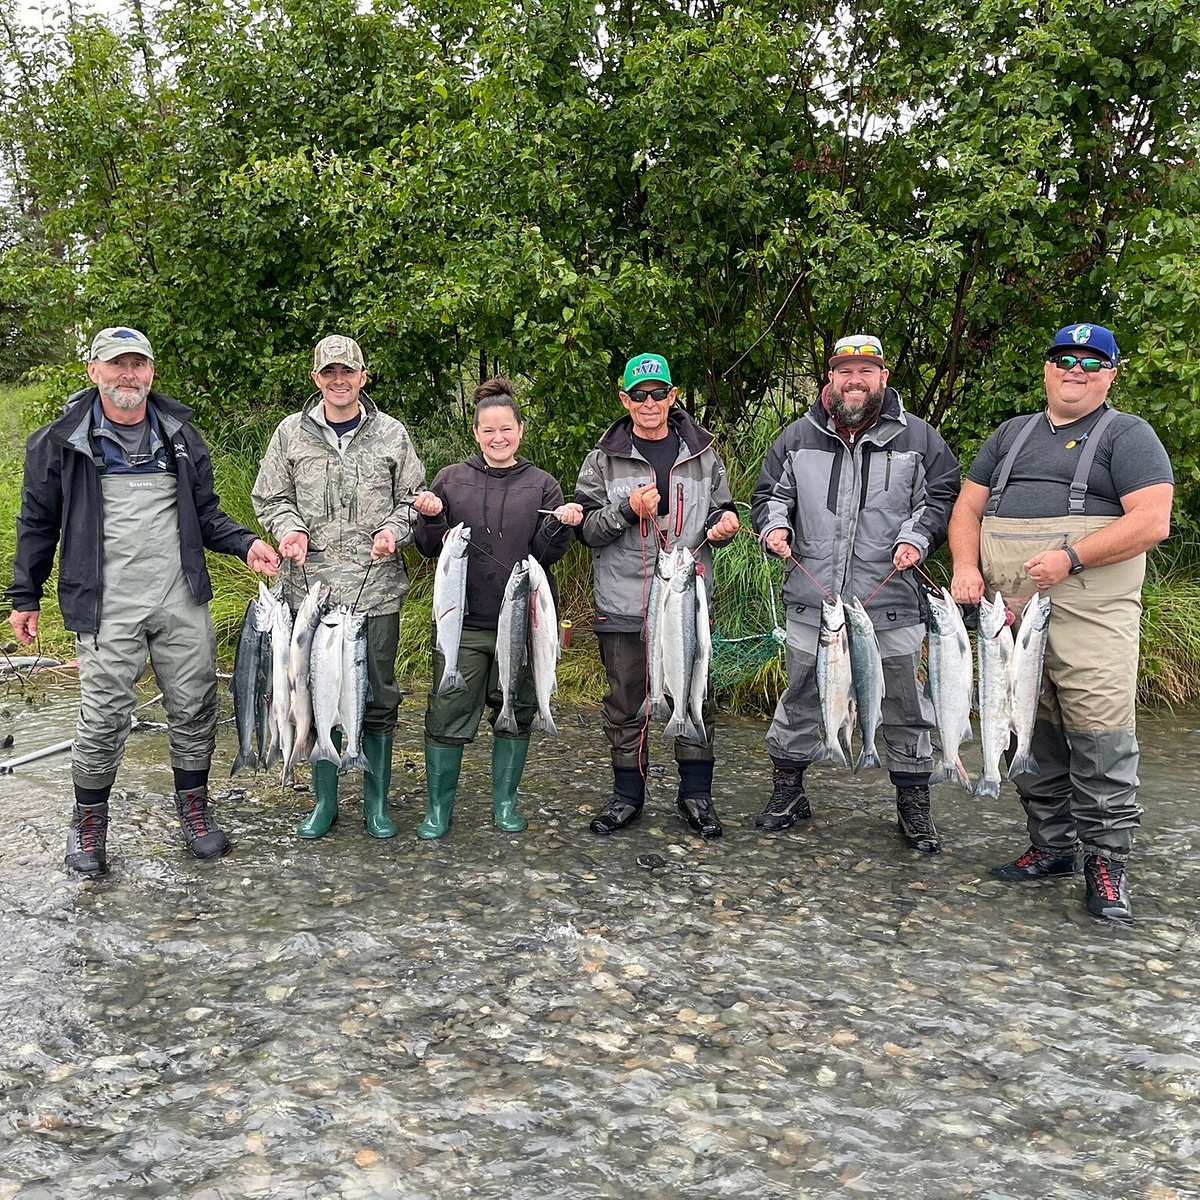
x=1076, y=565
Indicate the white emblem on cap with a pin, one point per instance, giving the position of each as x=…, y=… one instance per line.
x=1082, y=334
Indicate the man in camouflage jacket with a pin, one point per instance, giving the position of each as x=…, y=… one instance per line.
x=335, y=489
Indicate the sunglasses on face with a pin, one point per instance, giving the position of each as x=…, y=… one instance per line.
x=658, y=394
x=874, y=349
x=1068, y=362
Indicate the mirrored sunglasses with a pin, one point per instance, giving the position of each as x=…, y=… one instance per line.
x=1068, y=362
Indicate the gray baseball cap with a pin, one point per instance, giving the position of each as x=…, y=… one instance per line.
x=338, y=349
x=117, y=340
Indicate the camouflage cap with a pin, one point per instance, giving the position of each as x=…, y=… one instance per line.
x=119, y=339
x=338, y=349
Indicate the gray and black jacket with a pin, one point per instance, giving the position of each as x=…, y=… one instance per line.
x=847, y=508
x=624, y=548
x=61, y=503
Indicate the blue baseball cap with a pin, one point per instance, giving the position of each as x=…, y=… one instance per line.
x=1086, y=337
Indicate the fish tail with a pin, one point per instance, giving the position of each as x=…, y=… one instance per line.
x=641, y=714
x=506, y=722
x=867, y=759
x=1023, y=764
x=324, y=751
x=545, y=724
x=452, y=681
x=353, y=762
x=245, y=758
x=959, y=774
x=987, y=787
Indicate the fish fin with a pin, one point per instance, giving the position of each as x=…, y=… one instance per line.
x=452, y=681
x=682, y=726
x=506, y=722
x=844, y=747
x=1023, y=764
x=245, y=758
x=968, y=734
x=545, y=725
x=354, y=762
x=324, y=751
x=959, y=774
x=987, y=787
x=867, y=759
x=643, y=712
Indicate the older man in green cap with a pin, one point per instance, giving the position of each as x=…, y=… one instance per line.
x=654, y=480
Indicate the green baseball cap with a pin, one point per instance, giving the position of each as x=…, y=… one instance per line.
x=645, y=368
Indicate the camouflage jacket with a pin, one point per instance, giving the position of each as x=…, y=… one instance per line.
x=341, y=492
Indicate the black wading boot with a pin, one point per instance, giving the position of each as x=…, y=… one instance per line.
x=1107, y=888
x=915, y=821
x=1039, y=863
x=624, y=805
x=87, y=840
x=200, y=831
x=788, y=803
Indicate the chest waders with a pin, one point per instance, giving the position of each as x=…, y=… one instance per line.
x=1084, y=740
x=148, y=610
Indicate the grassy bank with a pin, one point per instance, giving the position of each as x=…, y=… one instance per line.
x=747, y=669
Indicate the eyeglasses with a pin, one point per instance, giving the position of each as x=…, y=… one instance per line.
x=874, y=349
x=641, y=397
x=1068, y=362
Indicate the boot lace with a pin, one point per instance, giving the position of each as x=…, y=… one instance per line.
x=196, y=815
x=91, y=831
x=1106, y=877
x=1030, y=858
x=914, y=807
x=787, y=795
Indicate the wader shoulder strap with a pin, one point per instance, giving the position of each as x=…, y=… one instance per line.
x=1084, y=467
x=1007, y=465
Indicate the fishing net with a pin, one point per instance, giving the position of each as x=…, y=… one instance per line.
x=746, y=614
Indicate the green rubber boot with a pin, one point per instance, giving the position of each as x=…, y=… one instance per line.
x=442, y=764
x=508, y=765
x=325, y=810
x=377, y=747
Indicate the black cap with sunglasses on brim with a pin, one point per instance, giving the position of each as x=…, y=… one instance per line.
x=859, y=345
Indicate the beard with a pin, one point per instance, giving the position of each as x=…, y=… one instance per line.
x=125, y=398
x=863, y=414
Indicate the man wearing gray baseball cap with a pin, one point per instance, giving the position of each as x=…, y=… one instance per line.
x=335, y=489
x=121, y=487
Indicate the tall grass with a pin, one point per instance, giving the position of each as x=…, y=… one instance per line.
x=743, y=584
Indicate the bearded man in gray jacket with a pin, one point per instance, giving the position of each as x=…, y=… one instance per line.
x=855, y=493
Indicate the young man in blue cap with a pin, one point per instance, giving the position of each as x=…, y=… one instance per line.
x=654, y=479
x=1067, y=502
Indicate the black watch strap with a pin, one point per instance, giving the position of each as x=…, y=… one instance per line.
x=1076, y=565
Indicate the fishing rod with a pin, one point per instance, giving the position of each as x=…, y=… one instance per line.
x=9, y=768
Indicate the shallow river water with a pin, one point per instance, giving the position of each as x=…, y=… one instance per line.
x=811, y=1014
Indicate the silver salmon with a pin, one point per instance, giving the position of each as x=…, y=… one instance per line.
x=994, y=644
x=325, y=683
x=245, y=686
x=835, y=682
x=450, y=604
x=274, y=616
x=356, y=690
x=680, y=646
x=866, y=672
x=543, y=644
x=1025, y=675
x=655, y=704
x=950, y=684
x=512, y=643
x=308, y=617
